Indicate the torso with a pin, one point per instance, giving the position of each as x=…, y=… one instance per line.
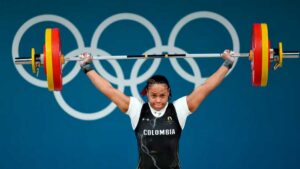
x=158, y=139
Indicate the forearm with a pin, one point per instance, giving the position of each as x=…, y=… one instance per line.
x=202, y=91
x=99, y=82
x=105, y=87
x=214, y=80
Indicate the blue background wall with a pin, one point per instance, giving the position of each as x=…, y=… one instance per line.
x=237, y=126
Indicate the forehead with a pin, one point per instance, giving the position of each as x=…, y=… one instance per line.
x=158, y=88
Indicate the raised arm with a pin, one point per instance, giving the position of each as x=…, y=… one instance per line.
x=115, y=95
x=199, y=94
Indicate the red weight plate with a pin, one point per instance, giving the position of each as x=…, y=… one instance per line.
x=56, y=53
x=256, y=63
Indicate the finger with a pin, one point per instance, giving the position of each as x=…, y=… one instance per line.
x=226, y=51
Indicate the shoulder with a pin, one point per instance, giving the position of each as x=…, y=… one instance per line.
x=180, y=102
x=135, y=105
x=181, y=105
x=134, y=110
x=182, y=110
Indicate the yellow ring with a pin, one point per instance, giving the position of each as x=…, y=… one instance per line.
x=48, y=46
x=33, y=66
x=265, y=54
x=280, y=54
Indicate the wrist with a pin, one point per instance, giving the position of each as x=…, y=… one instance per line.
x=228, y=63
x=87, y=67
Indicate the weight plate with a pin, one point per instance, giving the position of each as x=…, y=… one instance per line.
x=56, y=63
x=48, y=51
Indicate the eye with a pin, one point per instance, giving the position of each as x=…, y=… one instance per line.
x=153, y=95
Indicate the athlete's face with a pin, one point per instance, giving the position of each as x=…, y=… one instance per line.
x=158, y=95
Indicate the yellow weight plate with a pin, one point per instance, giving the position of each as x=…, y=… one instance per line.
x=48, y=49
x=265, y=54
x=33, y=65
x=280, y=50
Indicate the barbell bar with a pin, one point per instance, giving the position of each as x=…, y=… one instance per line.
x=260, y=56
x=28, y=60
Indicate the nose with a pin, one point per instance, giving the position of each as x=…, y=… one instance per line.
x=158, y=99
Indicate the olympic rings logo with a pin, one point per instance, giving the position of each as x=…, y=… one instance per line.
x=120, y=81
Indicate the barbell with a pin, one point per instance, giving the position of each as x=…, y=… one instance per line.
x=259, y=55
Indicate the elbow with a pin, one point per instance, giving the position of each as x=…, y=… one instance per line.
x=193, y=109
x=194, y=102
x=123, y=109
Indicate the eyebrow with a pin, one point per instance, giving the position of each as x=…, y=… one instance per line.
x=160, y=94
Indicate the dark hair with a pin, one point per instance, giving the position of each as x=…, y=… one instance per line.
x=156, y=79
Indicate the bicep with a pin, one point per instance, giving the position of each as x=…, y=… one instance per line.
x=115, y=95
x=201, y=92
x=120, y=99
x=196, y=97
